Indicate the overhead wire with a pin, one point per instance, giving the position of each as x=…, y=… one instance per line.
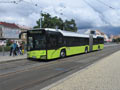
x=105, y=4
x=109, y=6
x=102, y=17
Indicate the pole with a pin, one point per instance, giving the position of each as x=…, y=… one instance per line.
x=40, y=20
x=56, y=28
x=40, y=23
x=3, y=50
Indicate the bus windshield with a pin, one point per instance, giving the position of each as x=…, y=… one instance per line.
x=36, y=42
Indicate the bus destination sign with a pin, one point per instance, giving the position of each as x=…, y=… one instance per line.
x=35, y=32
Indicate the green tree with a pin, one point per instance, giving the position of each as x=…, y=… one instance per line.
x=53, y=22
x=116, y=40
x=70, y=25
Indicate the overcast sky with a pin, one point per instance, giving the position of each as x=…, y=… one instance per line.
x=101, y=14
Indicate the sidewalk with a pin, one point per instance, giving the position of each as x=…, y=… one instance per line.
x=8, y=58
x=5, y=53
x=102, y=75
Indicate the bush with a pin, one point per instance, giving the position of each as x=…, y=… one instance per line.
x=9, y=42
x=7, y=48
x=116, y=40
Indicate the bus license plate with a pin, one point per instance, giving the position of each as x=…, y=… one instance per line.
x=33, y=56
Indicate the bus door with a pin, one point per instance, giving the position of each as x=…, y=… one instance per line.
x=54, y=40
x=91, y=42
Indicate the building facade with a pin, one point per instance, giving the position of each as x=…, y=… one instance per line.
x=98, y=32
x=106, y=38
x=9, y=31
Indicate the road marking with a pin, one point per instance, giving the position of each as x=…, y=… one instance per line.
x=60, y=69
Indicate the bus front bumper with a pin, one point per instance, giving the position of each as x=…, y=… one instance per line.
x=37, y=54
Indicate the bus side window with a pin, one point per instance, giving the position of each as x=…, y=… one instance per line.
x=48, y=42
x=60, y=41
x=51, y=41
x=64, y=41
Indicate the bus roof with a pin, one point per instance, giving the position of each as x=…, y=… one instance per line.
x=68, y=33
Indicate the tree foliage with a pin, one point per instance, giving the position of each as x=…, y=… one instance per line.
x=53, y=22
x=116, y=40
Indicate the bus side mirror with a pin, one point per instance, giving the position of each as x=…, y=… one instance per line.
x=20, y=35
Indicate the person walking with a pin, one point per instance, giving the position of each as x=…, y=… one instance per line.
x=11, y=49
x=14, y=49
x=19, y=48
x=22, y=48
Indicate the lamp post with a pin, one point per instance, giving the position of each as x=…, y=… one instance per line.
x=61, y=14
x=41, y=19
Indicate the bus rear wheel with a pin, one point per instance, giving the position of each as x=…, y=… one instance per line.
x=62, y=54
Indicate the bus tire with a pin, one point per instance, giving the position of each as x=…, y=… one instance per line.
x=86, y=50
x=62, y=53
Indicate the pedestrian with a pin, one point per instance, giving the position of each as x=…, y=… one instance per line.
x=14, y=49
x=22, y=48
x=19, y=48
x=11, y=49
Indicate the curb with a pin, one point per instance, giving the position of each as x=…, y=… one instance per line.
x=12, y=60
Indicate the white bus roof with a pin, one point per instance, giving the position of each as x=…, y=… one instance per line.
x=68, y=33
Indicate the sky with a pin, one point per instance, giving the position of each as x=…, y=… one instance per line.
x=88, y=14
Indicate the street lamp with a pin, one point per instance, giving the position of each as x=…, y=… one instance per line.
x=41, y=19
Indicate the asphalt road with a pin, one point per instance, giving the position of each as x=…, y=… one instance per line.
x=34, y=75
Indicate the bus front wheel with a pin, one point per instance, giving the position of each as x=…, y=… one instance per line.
x=62, y=54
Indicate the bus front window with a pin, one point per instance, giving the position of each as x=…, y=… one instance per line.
x=30, y=43
x=36, y=42
x=39, y=42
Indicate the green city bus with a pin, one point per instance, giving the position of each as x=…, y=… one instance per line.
x=54, y=43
